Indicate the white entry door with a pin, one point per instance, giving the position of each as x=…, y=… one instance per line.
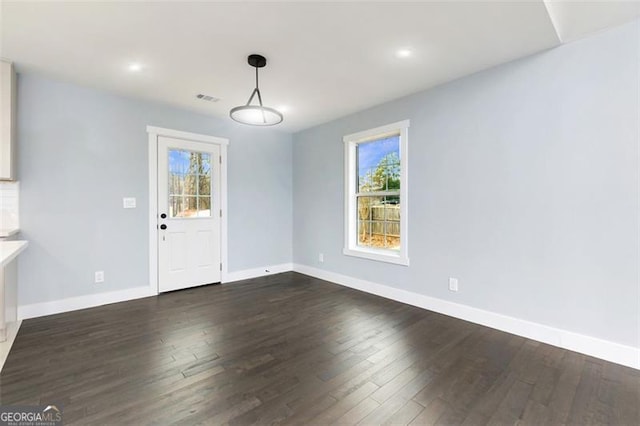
x=188, y=213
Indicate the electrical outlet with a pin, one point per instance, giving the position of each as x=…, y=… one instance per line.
x=321, y=258
x=99, y=277
x=129, y=203
x=453, y=284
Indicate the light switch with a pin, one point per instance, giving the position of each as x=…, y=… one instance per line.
x=453, y=284
x=129, y=203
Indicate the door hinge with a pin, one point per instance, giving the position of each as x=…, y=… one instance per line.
x=220, y=157
x=221, y=267
x=220, y=212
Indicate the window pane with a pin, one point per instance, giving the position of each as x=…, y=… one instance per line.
x=392, y=235
x=205, y=167
x=178, y=162
x=176, y=184
x=204, y=185
x=377, y=233
x=204, y=206
x=176, y=205
x=369, y=207
x=186, y=207
x=371, y=215
x=391, y=210
x=377, y=211
x=378, y=165
x=364, y=233
x=195, y=162
x=190, y=185
x=379, y=221
x=178, y=167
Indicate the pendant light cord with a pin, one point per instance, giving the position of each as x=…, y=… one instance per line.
x=264, y=117
x=256, y=77
x=257, y=91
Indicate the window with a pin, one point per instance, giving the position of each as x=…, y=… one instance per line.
x=376, y=194
x=189, y=184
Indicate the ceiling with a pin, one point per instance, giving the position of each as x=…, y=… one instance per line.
x=325, y=60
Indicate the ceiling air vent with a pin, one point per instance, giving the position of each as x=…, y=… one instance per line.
x=207, y=98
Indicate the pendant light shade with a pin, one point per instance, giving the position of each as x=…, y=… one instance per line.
x=256, y=115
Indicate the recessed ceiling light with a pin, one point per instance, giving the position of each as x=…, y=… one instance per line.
x=283, y=108
x=135, y=67
x=404, y=53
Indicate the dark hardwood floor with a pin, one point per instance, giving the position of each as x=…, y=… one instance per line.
x=296, y=350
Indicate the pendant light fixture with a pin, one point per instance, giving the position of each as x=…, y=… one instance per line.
x=256, y=115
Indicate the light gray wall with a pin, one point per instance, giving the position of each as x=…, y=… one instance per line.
x=523, y=184
x=82, y=150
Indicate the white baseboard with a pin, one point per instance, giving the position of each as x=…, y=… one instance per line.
x=5, y=347
x=81, y=302
x=91, y=300
x=257, y=272
x=599, y=348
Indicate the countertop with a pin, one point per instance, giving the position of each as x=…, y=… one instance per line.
x=8, y=232
x=10, y=249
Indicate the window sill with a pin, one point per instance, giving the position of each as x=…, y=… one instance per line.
x=378, y=255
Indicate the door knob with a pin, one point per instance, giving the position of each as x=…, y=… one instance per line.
x=163, y=215
x=163, y=226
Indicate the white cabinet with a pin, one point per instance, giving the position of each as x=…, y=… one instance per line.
x=8, y=297
x=7, y=121
x=9, y=251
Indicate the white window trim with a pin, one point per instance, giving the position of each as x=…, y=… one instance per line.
x=351, y=247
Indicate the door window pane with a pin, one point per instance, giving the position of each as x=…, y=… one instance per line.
x=205, y=165
x=176, y=204
x=189, y=184
x=204, y=206
x=204, y=185
x=186, y=207
x=176, y=184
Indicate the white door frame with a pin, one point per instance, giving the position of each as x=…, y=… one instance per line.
x=154, y=133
